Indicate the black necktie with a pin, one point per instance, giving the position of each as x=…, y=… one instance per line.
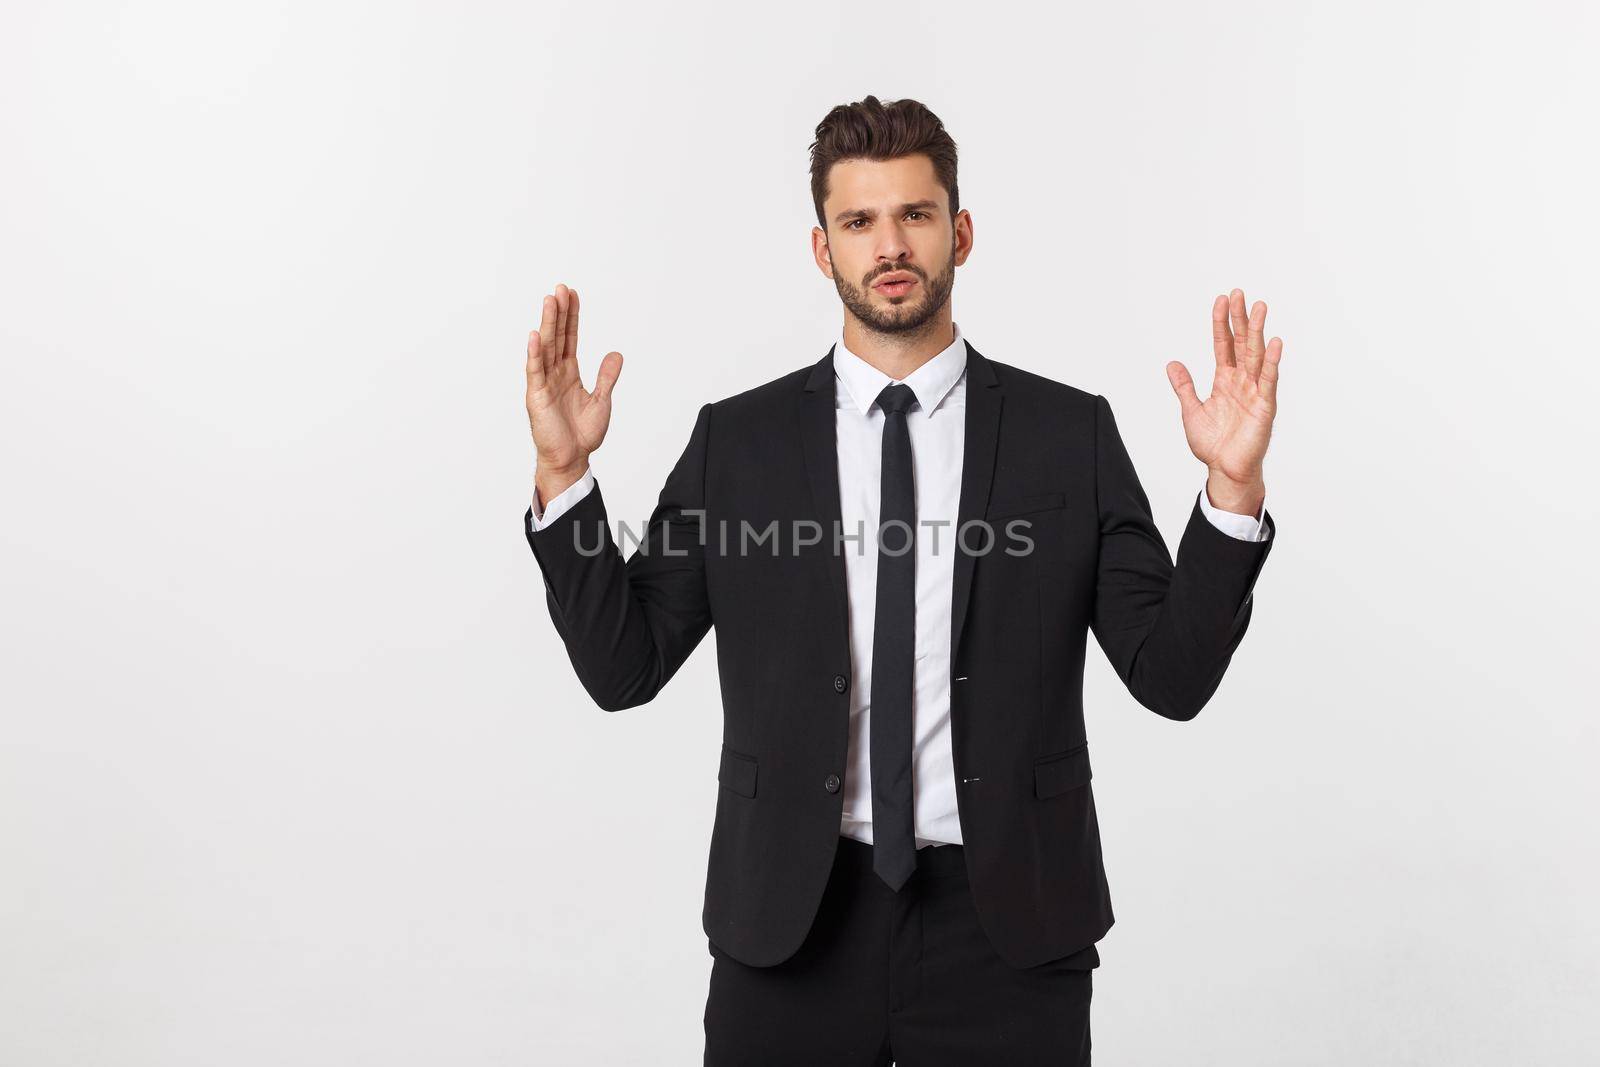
x=894, y=845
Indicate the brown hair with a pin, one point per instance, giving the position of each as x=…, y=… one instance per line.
x=872, y=129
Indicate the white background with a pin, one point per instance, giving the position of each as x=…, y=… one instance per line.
x=294, y=769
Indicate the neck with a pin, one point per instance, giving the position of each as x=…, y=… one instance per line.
x=898, y=354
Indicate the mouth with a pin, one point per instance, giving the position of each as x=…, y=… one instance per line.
x=895, y=287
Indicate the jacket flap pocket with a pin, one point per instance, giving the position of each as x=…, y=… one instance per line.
x=738, y=772
x=1063, y=771
x=1023, y=505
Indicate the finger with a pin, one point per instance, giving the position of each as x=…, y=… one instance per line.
x=1255, y=346
x=1237, y=314
x=606, y=378
x=535, y=366
x=549, y=350
x=1183, y=385
x=1221, y=338
x=563, y=306
x=1269, y=372
x=571, y=345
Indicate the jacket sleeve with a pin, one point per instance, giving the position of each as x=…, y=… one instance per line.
x=1168, y=631
x=628, y=626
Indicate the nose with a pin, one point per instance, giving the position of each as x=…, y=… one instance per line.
x=892, y=246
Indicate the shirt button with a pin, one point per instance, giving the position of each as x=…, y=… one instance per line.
x=832, y=783
x=840, y=683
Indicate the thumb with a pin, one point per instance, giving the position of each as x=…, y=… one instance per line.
x=1183, y=385
x=606, y=379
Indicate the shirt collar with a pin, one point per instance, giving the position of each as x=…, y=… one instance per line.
x=931, y=382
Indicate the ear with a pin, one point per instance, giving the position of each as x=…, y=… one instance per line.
x=963, y=236
x=820, y=251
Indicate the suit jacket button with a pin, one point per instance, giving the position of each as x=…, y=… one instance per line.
x=832, y=783
x=840, y=683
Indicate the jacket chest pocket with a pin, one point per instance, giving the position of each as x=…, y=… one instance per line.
x=1012, y=506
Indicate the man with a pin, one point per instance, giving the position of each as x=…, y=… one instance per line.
x=903, y=547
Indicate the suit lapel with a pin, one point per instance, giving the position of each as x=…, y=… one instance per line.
x=819, y=439
x=984, y=396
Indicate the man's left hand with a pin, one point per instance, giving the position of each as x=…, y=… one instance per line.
x=1229, y=431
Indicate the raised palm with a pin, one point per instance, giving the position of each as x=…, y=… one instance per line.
x=1229, y=431
x=568, y=421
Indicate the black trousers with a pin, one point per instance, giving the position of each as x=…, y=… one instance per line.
x=906, y=978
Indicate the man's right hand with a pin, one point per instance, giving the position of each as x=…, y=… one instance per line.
x=568, y=421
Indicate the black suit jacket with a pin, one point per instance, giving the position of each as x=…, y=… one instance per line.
x=1035, y=449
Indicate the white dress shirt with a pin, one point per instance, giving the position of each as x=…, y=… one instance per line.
x=938, y=437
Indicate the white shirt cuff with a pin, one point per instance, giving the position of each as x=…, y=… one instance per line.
x=1243, y=527
x=564, y=500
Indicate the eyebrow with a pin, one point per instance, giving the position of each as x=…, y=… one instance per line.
x=868, y=213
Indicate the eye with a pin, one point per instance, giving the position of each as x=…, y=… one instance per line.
x=910, y=213
x=852, y=223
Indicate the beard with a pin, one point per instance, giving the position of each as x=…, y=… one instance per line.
x=906, y=317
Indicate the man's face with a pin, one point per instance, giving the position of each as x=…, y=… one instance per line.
x=891, y=246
